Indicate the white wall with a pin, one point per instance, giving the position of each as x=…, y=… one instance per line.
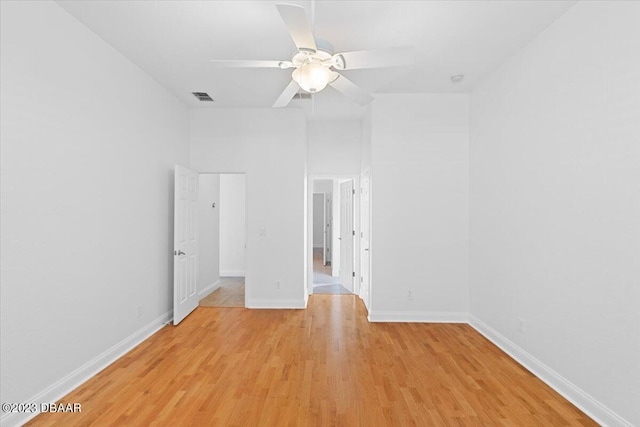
x=208, y=233
x=419, y=163
x=334, y=147
x=323, y=186
x=88, y=147
x=555, y=203
x=269, y=145
x=365, y=143
x=318, y=220
x=233, y=224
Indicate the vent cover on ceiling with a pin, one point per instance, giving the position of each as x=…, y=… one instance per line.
x=202, y=96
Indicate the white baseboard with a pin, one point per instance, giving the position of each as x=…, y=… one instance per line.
x=232, y=273
x=277, y=303
x=590, y=406
x=418, y=316
x=73, y=380
x=209, y=289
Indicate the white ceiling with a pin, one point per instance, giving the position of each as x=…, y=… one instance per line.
x=173, y=42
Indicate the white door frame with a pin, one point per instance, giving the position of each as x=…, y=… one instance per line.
x=366, y=292
x=327, y=227
x=247, y=275
x=347, y=235
x=356, y=223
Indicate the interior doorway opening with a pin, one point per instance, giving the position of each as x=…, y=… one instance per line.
x=333, y=235
x=222, y=240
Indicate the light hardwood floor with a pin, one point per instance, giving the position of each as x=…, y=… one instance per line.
x=325, y=365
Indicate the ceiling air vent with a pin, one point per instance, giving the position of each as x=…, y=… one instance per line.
x=202, y=96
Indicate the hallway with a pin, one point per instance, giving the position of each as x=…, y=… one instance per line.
x=323, y=282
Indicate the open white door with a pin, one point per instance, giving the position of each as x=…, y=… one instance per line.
x=365, y=229
x=346, y=235
x=326, y=251
x=185, y=244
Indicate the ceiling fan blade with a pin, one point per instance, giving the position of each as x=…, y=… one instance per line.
x=299, y=27
x=351, y=90
x=379, y=58
x=250, y=64
x=286, y=95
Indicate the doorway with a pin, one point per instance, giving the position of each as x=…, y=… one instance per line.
x=222, y=232
x=332, y=235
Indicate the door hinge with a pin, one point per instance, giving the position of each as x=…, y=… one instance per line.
x=354, y=232
x=353, y=274
x=353, y=191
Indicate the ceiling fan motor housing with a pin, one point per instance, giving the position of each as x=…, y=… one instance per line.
x=313, y=71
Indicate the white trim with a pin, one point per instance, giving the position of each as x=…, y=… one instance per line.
x=586, y=403
x=209, y=289
x=85, y=372
x=232, y=273
x=418, y=316
x=277, y=303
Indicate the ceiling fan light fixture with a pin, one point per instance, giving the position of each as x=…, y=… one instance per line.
x=312, y=77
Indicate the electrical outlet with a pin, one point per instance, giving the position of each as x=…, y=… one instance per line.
x=521, y=327
x=139, y=310
x=410, y=295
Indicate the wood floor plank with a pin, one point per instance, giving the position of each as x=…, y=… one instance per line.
x=326, y=365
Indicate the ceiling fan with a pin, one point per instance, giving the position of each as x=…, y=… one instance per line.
x=315, y=65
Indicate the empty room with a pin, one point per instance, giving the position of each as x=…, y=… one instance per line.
x=301, y=213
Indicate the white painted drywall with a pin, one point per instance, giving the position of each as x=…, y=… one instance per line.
x=365, y=143
x=334, y=147
x=233, y=224
x=269, y=145
x=208, y=233
x=420, y=210
x=318, y=220
x=89, y=142
x=555, y=201
x=323, y=186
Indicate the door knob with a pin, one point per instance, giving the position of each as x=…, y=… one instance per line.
x=178, y=253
